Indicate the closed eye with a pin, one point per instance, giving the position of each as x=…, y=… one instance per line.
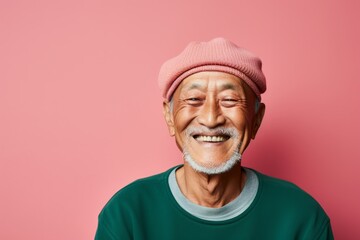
x=229, y=102
x=194, y=101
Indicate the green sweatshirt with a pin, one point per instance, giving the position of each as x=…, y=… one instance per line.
x=146, y=209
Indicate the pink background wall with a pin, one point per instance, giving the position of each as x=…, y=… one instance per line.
x=80, y=110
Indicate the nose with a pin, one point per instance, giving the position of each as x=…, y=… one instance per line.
x=210, y=114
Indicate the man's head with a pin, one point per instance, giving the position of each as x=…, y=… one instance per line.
x=212, y=104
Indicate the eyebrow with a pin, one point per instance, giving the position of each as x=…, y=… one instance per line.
x=227, y=86
x=194, y=86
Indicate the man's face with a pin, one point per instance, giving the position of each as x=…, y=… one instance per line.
x=213, y=117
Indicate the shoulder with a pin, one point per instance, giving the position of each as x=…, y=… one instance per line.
x=129, y=203
x=288, y=202
x=285, y=192
x=138, y=190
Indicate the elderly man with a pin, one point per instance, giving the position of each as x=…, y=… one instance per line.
x=212, y=106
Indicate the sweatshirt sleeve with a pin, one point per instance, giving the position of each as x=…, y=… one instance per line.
x=327, y=233
x=111, y=227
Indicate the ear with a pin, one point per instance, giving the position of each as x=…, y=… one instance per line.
x=258, y=119
x=168, y=117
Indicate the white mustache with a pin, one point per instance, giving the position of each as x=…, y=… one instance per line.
x=231, y=132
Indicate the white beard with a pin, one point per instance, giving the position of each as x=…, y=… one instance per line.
x=211, y=169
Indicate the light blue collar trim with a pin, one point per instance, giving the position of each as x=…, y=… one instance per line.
x=230, y=210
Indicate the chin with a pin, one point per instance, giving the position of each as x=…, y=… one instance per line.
x=210, y=168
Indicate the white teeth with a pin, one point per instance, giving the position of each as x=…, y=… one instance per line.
x=210, y=138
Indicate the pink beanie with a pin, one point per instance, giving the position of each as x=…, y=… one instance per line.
x=219, y=55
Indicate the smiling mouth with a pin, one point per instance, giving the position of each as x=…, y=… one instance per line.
x=213, y=139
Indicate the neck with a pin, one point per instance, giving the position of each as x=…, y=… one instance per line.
x=210, y=190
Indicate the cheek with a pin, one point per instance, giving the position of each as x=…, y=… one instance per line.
x=240, y=119
x=183, y=117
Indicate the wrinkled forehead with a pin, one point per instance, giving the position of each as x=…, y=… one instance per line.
x=214, y=81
